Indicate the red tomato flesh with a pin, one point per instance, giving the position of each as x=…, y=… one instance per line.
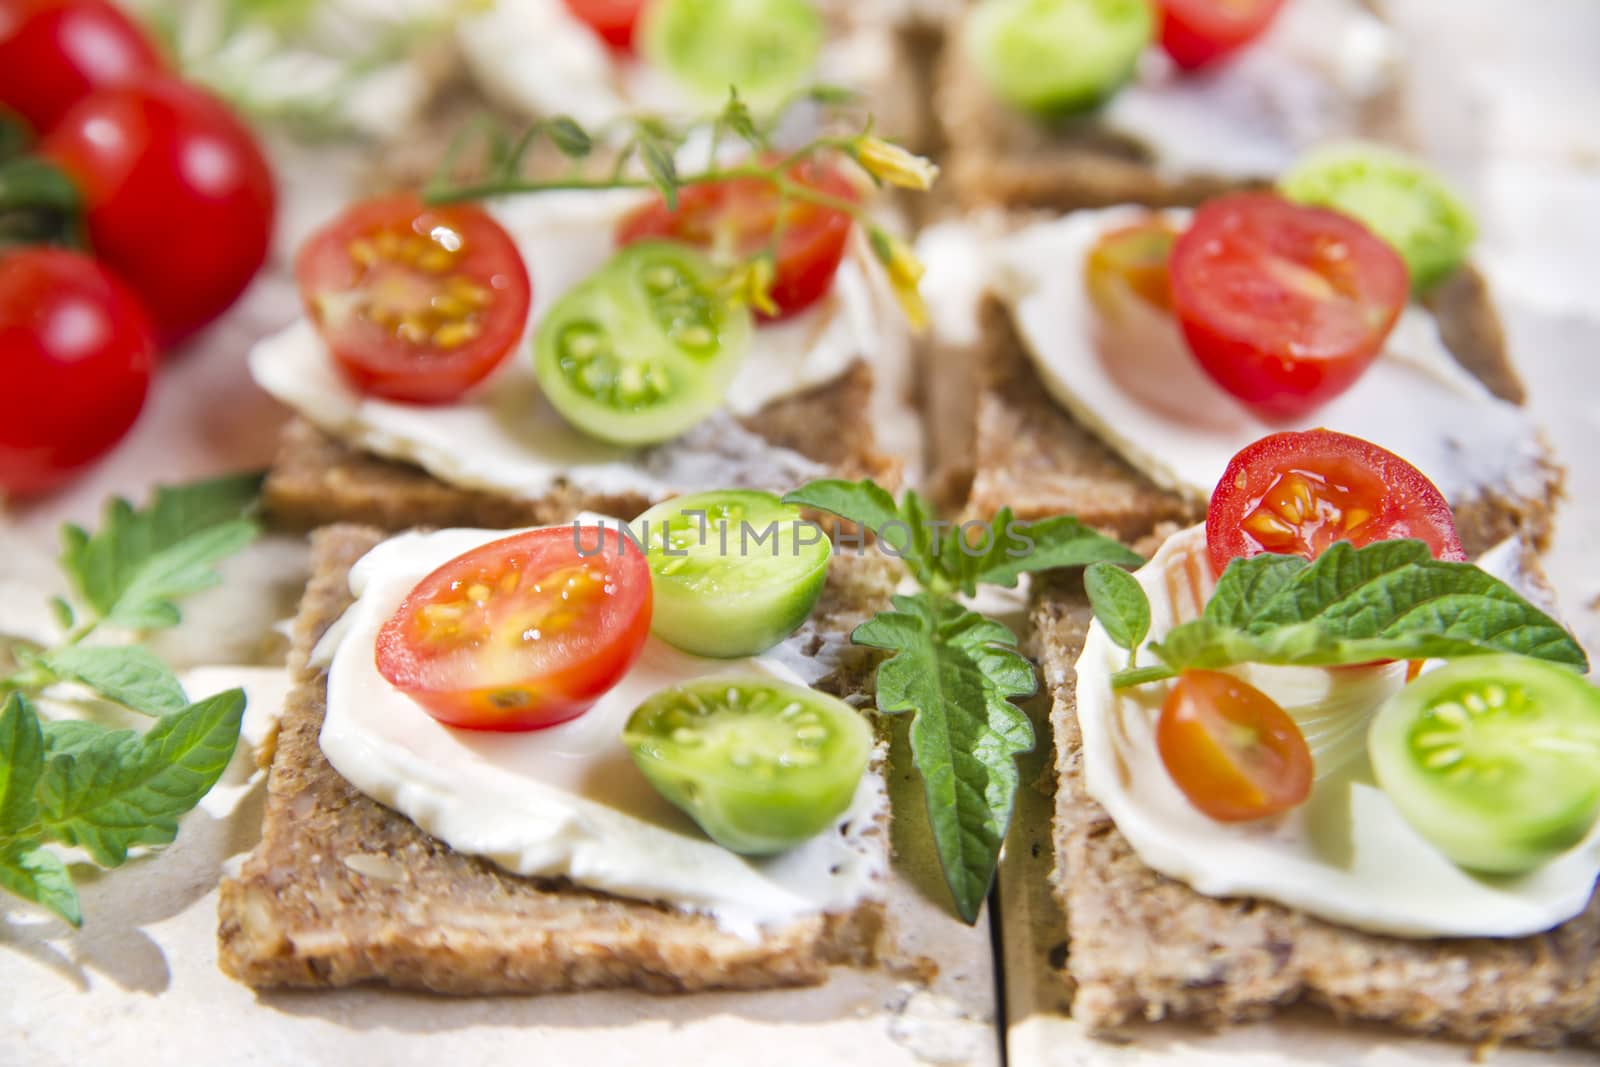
x=521, y=633
x=76, y=353
x=1283, y=305
x=1234, y=753
x=177, y=198
x=54, y=53
x=1297, y=493
x=1196, y=33
x=613, y=21
x=737, y=219
x=416, y=303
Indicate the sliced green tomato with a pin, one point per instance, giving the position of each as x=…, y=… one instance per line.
x=732, y=573
x=1397, y=197
x=762, y=766
x=645, y=348
x=1057, y=57
x=1494, y=759
x=763, y=48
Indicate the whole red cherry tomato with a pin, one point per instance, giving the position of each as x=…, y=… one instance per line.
x=177, y=198
x=54, y=53
x=76, y=352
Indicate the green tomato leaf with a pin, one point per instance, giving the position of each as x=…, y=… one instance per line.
x=1019, y=548
x=1389, y=600
x=736, y=118
x=663, y=170
x=869, y=505
x=21, y=764
x=70, y=735
x=958, y=672
x=832, y=95
x=65, y=618
x=131, y=569
x=570, y=139
x=127, y=674
x=864, y=503
x=1119, y=603
x=121, y=789
x=37, y=874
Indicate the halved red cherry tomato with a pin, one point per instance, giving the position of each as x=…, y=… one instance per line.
x=1132, y=261
x=416, y=303
x=177, y=198
x=1235, y=754
x=1198, y=32
x=1298, y=493
x=613, y=21
x=54, y=53
x=521, y=633
x=737, y=218
x=1284, y=305
x=76, y=352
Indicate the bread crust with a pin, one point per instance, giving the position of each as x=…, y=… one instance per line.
x=1144, y=946
x=343, y=890
x=316, y=479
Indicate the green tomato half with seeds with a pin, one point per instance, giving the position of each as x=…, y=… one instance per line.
x=732, y=572
x=760, y=765
x=1493, y=759
x=645, y=348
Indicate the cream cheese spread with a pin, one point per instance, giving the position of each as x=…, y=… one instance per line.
x=1312, y=76
x=504, y=437
x=1138, y=389
x=1346, y=855
x=567, y=800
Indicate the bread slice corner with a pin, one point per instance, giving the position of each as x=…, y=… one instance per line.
x=1144, y=946
x=342, y=890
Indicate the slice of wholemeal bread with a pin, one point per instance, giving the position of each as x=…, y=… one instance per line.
x=1141, y=945
x=1001, y=156
x=343, y=890
x=317, y=479
x=1010, y=443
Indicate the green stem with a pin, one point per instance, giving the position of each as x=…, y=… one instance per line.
x=787, y=187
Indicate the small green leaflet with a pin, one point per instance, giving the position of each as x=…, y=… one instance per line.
x=958, y=672
x=21, y=763
x=1120, y=605
x=1389, y=600
x=124, y=789
x=37, y=874
x=1029, y=547
x=946, y=557
x=570, y=139
x=132, y=568
x=130, y=675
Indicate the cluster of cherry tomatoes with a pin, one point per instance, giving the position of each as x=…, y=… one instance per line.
x=163, y=206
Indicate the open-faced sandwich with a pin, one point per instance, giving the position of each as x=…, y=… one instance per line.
x=573, y=756
x=1091, y=103
x=1123, y=355
x=658, y=318
x=1342, y=766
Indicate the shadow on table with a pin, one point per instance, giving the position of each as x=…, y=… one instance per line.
x=119, y=904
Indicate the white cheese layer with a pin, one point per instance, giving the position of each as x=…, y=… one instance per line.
x=504, y=437
x=1137, y=387
x=568, y=800
x=1346, y=855
x=572, y=72
x=1306, y=80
